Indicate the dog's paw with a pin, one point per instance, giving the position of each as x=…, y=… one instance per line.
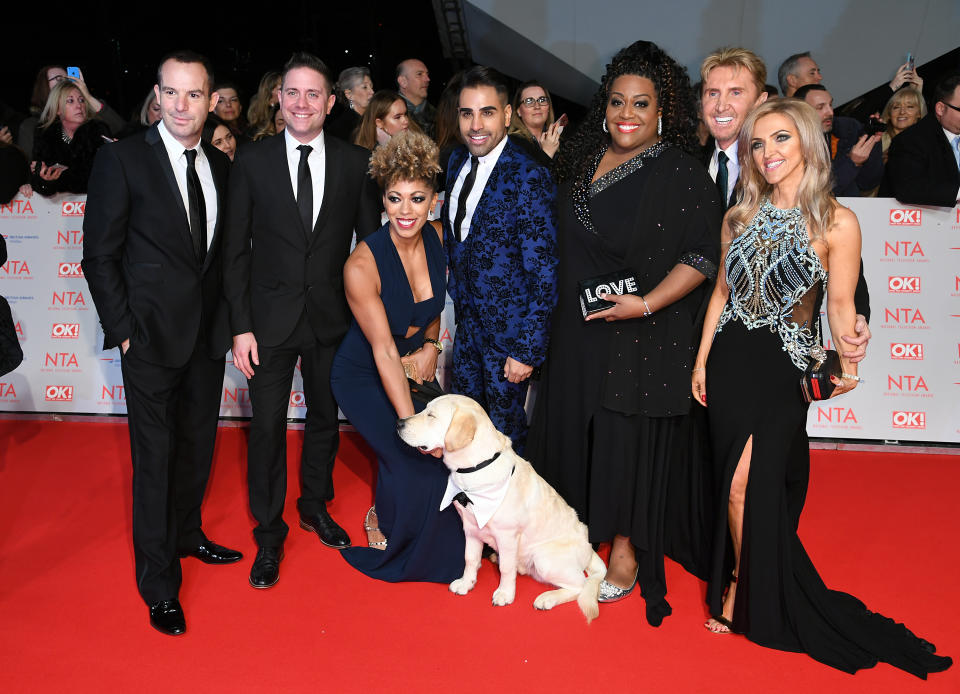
x=502, y=597
x=545, y=601
x=462, y=586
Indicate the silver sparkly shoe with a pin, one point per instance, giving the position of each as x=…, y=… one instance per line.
x=612, y=593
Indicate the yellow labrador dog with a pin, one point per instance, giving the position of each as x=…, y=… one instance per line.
x=503, y=502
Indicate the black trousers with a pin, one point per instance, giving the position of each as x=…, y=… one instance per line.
x=172, y=416
x=267, y=450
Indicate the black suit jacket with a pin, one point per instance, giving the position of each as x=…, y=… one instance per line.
x=921, y=168
x=274, y=269
x=138, y=255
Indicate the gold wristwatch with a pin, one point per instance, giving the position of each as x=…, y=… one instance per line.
x=435, y=343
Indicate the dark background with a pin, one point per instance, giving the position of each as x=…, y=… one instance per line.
x=118, y=45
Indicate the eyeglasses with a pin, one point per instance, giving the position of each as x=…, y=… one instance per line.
x=56, y=78
x=955, y=108
x=543, y=101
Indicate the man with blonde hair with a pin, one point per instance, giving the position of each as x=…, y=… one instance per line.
x=733, y=85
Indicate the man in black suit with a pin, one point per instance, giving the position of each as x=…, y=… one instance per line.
x=923, y=162
x=151, y=258
x=295, y=200
x=856, y=158
x=733, y=85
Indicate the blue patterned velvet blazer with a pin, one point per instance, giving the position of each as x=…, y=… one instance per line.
x=503, y=275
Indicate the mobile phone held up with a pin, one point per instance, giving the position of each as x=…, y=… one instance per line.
x=73, y=73
x=911, y=62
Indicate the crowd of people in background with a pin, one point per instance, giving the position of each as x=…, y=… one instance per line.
x=59, y=139
x=694, y=189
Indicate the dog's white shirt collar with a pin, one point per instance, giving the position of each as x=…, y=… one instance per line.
x=485, y=499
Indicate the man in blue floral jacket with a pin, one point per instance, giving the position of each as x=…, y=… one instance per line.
x=499, y=225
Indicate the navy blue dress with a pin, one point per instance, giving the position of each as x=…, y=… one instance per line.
x=423, y=543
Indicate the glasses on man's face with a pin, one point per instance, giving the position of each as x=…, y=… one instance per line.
x=955, y=108
x=541, y=101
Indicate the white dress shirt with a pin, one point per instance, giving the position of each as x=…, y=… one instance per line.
x=951, y=140
x=178, y=160
x=733, y=167
x=484, y=500
x=484, y=168
x=317, y=161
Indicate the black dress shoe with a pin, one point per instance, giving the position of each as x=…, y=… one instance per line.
x=330, y=534
x=265, y=571
x=211, y=553
x=167, y=616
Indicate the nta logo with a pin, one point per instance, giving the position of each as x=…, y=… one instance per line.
x=910, y=218
x=15, y=268
x=907, y=249
x=72, y=208
x=58, y=394
x=69, y=270
x=906, y=350
x=903, y=285
x=903, y=315
x=62, y=360
x=909, y=420
x=65, y=331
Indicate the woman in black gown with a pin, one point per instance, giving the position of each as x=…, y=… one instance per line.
x=786, y=242
x=613, y=390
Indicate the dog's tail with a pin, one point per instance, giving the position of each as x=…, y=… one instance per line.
x=587, y=600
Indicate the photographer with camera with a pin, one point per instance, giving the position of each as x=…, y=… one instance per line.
x=854, y=149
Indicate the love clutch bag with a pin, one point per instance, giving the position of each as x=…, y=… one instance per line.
x=617, y=282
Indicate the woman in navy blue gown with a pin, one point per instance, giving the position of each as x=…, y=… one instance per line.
x=395, y=282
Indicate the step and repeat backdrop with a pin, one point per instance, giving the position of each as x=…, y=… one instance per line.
x=911, y=390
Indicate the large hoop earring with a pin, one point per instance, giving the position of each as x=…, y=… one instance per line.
x=604, y=126
x=659, y=125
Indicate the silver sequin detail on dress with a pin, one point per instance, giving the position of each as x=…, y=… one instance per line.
x=582, y=192
x=771, y=268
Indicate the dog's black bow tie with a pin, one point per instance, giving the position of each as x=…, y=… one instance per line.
x=462, y=499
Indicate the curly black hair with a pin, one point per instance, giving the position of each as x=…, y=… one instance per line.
x=674, y=96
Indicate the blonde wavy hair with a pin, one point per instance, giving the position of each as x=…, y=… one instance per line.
x=814, y=197
x=57, y=100
x=408, y=156
x=736, y=58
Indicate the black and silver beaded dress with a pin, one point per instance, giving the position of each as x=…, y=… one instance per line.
x=763, y=341
x=612, y=395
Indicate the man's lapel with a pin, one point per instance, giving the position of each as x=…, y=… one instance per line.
x=155, y=142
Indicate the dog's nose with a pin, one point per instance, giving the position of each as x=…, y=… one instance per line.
x=401, y=423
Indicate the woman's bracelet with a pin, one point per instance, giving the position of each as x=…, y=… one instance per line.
x=646, y=306
x=436, y=344
x=851, y=377
x=699, y=369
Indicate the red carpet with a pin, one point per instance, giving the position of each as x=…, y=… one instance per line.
x=881, y=526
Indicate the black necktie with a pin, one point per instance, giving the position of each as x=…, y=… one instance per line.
x=305, y=189
x=722, y=178
x=198, y=208
x=464, y=194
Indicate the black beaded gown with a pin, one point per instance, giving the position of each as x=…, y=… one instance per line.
x=612, y=396
x=769, y=327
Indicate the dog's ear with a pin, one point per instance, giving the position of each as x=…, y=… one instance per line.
x=462, y=429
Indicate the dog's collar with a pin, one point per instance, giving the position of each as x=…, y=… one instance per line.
x=478, y=466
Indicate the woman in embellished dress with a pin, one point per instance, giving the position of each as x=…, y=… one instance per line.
x=783, y=245
x=395, y=281
x=613, y=391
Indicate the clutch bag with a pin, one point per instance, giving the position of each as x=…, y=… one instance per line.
x=815, y=382
x=618, y=282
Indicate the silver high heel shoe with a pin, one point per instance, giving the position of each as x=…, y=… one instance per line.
x=612, y=593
